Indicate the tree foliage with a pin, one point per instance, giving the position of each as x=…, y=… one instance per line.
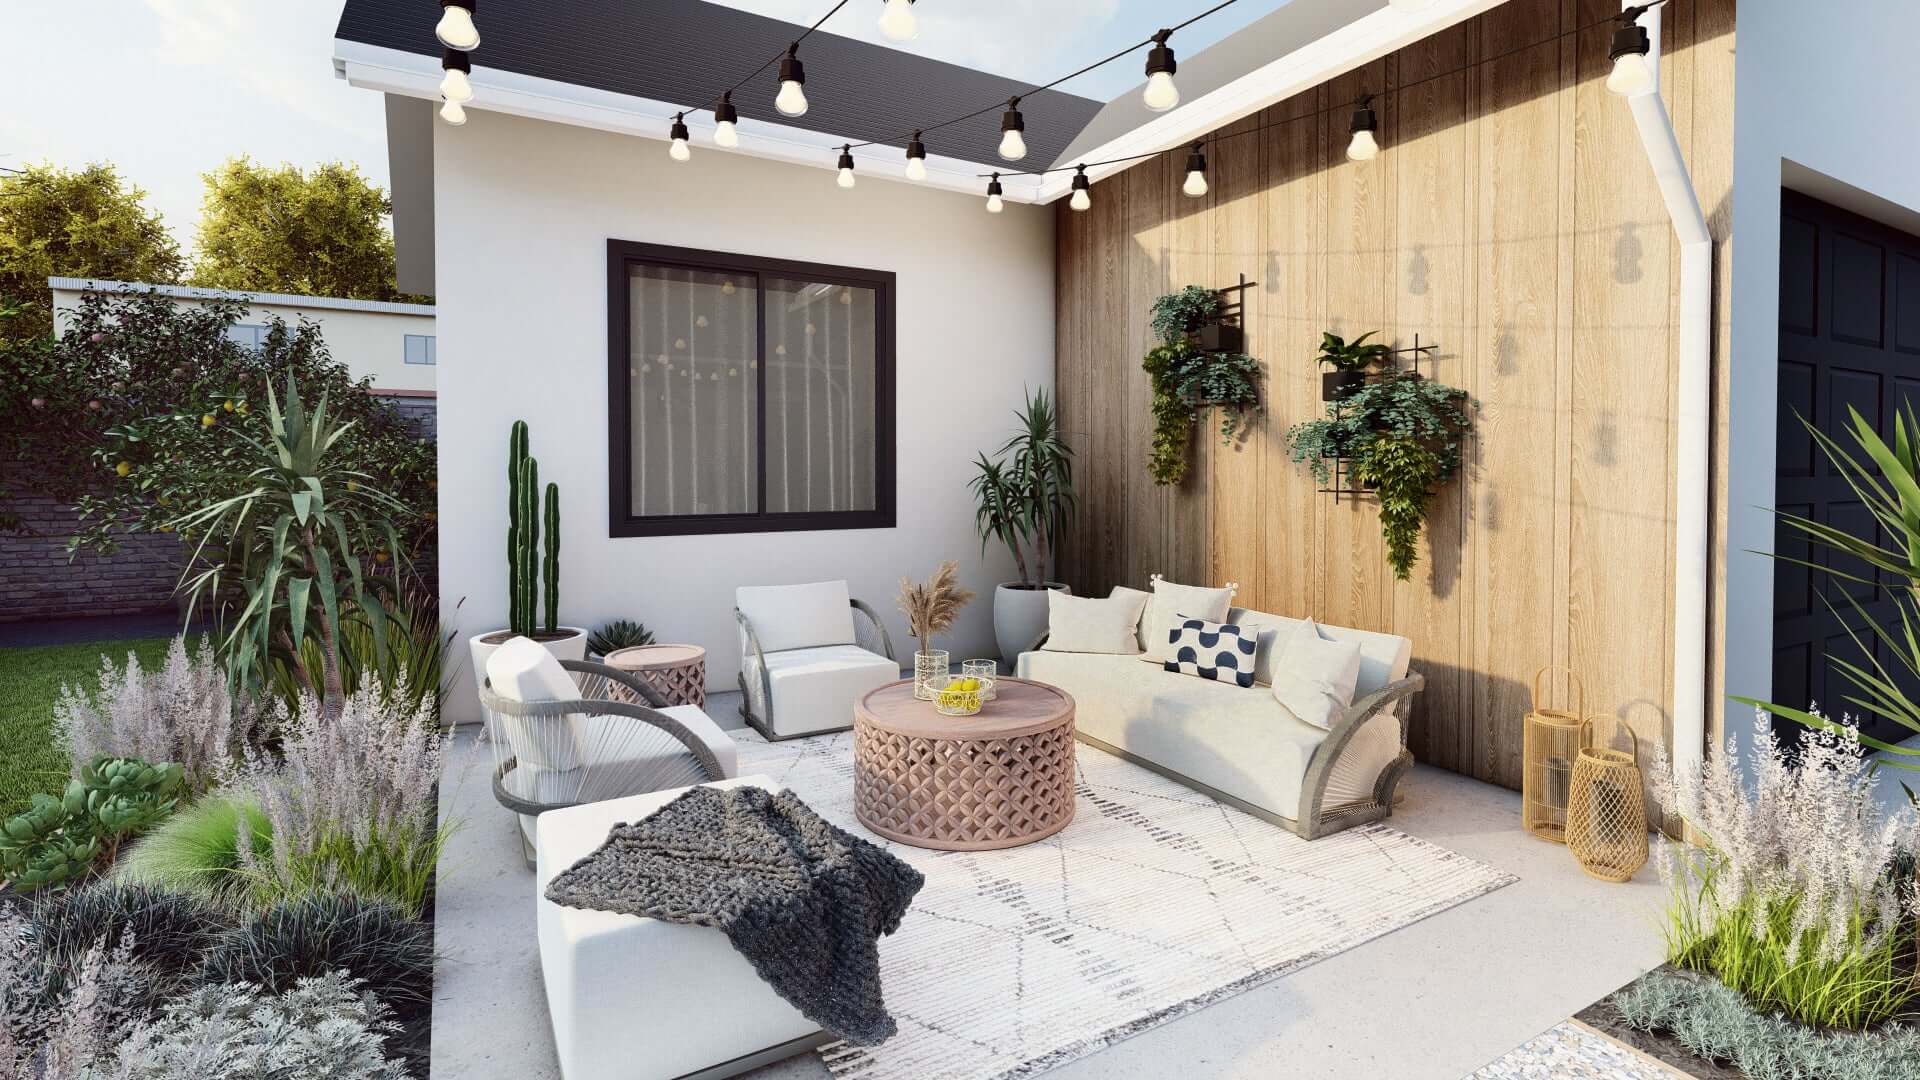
x=75, y=223
x=319, y=232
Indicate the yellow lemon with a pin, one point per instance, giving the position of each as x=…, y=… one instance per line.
x=228, y=406
x=123, y=468
x=209, y=420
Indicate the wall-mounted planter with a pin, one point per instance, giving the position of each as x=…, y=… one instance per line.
x=1336, y=385
x=1223, y=337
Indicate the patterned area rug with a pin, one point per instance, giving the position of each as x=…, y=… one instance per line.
x=1155, y=901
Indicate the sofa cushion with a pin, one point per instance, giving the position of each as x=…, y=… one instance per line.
x=1094, y=624
x=1313, y=677
x=1383, y=657
x=1221, y=652
x=523, y=670
x=1142, y=595
x=797, y=616
x=814, y=689
x=1172, y=604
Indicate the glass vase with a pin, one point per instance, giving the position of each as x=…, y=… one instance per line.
x=930, y=671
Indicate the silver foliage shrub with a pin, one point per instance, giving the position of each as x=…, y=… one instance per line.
x=56, y=1028
x=181, y=713
x=322, y=1029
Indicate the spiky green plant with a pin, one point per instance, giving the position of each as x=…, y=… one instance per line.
x=550, y=565
x=1025, y=499
x=518, y=618
x=527, y=568
x=167, y=931
x=197, y=850
x=309, y=937
x=619, y=634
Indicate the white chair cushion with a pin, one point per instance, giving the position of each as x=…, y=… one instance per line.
x=640, y=999
x=814, y=689
x=797, y=616
x=1171, y=603
x=1094, y=625
x=523, y=670
x=1313, y=677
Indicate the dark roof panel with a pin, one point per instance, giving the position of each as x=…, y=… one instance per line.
x=688, y=51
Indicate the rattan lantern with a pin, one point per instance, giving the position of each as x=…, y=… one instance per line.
x=1549, y=746
x=1606, y=812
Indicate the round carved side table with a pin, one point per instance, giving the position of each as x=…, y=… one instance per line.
x=678, y=672
x=998, y=779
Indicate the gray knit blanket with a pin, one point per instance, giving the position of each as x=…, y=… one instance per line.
x=804, y=902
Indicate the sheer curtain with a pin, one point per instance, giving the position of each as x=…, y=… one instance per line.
x=820, y=376
x=692, y=374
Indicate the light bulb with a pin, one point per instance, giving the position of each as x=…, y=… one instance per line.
x=916, y=168
x=1631, y=74
x=725, y=134
x=1161, y=93
x=898, y=22
x=1082, y=189
x=995, y=204
x=1363, y=146
x=453, y=114
x=456, y=87
x=1012, y=146
x=455, y=28
x=792, y=100
x=678, y=151
x=846, y=178
x=1081, y=200
x=1196, y=184
x=846, y=167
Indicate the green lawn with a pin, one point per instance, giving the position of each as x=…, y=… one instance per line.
x=29, y=685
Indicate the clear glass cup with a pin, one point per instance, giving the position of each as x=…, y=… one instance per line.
x=987, y=671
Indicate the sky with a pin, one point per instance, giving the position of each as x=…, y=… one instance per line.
x=168, y=89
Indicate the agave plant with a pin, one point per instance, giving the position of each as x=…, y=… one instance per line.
x=1888, y=485
x=290, y=552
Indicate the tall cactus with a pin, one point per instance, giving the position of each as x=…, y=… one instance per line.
x=550, y=569
x=526, y=585
x=517, y=619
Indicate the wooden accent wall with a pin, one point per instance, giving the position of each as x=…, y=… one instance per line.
x=1512, y=220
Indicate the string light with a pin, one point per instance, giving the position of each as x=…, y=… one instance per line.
x=725, y=121
x=1012, y=146
x=994, y=203
x=898, y=22
x=792, y=99
x=1363, y=146
x=453, y=114
x=1631, y=46
x=1161, y=94
x=454, y=85
x=1082, y=190
x=677, y=147
x=1196, y=184
x=846, y=166
x=916, y=158
x=455, y=28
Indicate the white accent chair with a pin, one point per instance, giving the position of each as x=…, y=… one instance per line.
x=566, y=732
x=805, y=659
x=640, y=999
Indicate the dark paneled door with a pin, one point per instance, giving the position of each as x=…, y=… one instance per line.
x=1849, y=337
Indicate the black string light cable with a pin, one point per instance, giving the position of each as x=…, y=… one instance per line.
x=1629, y=41
x=791, y=100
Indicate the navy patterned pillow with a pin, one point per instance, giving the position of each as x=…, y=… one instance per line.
x=1222, y=652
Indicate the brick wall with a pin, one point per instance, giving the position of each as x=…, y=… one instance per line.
x=37, y=580
x=419, y=411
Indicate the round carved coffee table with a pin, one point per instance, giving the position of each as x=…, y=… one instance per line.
x=678, y=672
x=998, y=779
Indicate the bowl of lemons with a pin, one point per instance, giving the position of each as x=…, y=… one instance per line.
x=961, y=696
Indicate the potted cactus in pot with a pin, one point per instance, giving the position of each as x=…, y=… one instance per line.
x=533, y=575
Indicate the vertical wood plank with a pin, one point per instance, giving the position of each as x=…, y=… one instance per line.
x=1239, y=244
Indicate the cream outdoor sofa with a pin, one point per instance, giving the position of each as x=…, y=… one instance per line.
x=1242, y=746
x=805, y=658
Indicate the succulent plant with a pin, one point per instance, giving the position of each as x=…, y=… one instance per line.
x=124, y=796
x=43, y=846
x=58, y=840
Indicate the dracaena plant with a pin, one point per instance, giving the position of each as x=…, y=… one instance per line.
x=288, y=556
x=1024, y=498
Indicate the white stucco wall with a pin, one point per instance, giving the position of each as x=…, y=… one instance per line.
x=523, y=212
x=1835, y=92
x=368, y=336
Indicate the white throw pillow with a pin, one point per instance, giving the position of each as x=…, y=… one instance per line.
x=1313, y=677
x=1173, y=604
x=1086, y=624
x=1140, y=624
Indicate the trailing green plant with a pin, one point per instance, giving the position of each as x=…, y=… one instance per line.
x=1717, y=1023
x=1342, y=355
x=1178, y=314
x=1186, y=379
x=1024, y=496
x=290, y=547
x=197, y=850
x=324, y=1028
x=1402, y=472
x=390, y=952
x=60, y=840
x=168, y=932
x=527, y=569
x=619, y=634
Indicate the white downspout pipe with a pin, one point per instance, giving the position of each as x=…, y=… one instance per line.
x=1692, y=561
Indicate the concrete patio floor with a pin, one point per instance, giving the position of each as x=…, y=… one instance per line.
x=1437, y=999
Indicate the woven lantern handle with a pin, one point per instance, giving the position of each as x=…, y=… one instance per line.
x=1587, y=724
x=1579, y=688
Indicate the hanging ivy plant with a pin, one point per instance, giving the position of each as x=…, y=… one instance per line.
x=1176, y=315
x=1402, y=433
x=1187, y=379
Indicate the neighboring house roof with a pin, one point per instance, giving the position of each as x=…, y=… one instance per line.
x=184, y=292
x=685, y=52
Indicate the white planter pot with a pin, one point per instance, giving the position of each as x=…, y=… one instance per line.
x=1019, y=616
x=571, y=647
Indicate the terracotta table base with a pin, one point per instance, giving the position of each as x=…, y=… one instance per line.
x=999, y=779
x=678, y=672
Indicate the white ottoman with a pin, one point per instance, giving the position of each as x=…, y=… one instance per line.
x=641, y=999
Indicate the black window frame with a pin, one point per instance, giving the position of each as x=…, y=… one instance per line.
x=621, y=520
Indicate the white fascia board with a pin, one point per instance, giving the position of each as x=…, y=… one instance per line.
x=1359, y=42
x=395, y=71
